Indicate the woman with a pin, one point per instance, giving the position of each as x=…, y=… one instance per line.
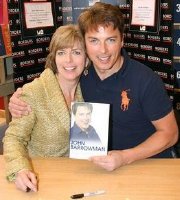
x=45, y=132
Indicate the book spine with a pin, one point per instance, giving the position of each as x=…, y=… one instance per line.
x=6, y=38
x=1, y=12
x=5, y=12
x=2, y=47
x=2, y=71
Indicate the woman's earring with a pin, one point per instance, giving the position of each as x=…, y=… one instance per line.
x=85, y=71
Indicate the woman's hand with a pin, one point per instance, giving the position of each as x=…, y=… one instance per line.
x=26, y=181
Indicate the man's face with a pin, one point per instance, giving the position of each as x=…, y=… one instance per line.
x=83, y=117
x=103, y=48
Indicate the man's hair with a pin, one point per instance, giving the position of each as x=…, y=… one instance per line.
x=81, y=104
x=101, y=14
x=64, y=37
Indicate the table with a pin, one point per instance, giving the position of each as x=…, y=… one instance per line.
x=59, y=178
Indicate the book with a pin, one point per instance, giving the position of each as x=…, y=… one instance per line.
x=2, y=71
x=1, y=12
x=5, y=12
x=2, y=47
x=89, y=129
x=4, y=16
x=5, y=32
x=6, y=69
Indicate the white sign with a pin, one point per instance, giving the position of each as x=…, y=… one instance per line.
x=143, y=12
x=38, y=14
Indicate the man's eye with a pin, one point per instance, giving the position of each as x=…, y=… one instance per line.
x=111, y=40
x=94, y=41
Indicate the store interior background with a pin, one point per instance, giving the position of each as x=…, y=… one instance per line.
x=160, y=50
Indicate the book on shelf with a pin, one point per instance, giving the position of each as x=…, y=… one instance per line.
x=1, y=12
x=89, y=129
x=6, y=69
x=4, y=12
x=5, y=40
x=2, y=47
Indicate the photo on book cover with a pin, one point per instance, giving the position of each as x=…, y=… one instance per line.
x=89, y=129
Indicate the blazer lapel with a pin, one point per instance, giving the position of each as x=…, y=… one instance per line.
x=56, y=99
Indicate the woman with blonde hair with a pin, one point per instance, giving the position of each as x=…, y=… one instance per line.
x=45, y=132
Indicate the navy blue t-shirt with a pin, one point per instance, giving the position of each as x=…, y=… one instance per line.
x=136, y=96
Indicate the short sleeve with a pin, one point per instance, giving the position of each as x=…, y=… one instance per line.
x=155, y=100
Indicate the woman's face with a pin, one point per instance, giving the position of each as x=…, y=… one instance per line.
x=70, y=62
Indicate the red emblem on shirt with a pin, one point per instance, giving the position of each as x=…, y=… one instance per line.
x=125, y=100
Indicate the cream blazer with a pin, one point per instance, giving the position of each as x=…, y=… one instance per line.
x=45, y=131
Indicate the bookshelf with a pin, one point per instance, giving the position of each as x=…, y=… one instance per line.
x=6, y=63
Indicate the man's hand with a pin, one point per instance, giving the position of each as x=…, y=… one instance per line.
x=26, y=181
x=112, y=161
x=18, y=107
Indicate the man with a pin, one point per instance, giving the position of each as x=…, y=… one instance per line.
x=82, y=130
x=142, y=122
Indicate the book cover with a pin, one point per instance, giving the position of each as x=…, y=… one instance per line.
x=89, y=129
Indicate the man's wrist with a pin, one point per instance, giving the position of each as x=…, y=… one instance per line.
x=128, y=156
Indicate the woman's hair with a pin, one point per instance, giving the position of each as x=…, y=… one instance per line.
x=101, y=14
x=64, y=37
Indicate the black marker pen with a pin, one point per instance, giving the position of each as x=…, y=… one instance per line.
x=87, y=194
x=28, y=189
